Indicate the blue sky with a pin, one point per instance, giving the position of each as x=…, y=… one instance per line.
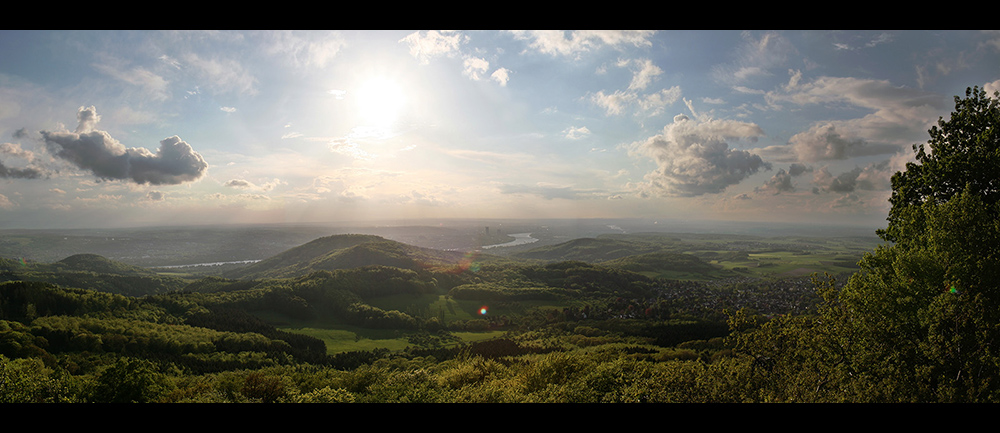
x=117, y=128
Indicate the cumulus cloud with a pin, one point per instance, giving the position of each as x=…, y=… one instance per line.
x=614, y=103
x=432, y=44
x=558, y=42
x=238, y=183
x=897, y=114
x=156, y=196
x=874, y=176
x=475, y=67
x=15, y=150
x=96, y=151
x=574, y=133
x=19, y=173
x=825, y=142
x=694, y=158
x=501, y=76
x=644, y=74
x=246, y=184
x=655, y=103
x=782, y=180
x=991, y=87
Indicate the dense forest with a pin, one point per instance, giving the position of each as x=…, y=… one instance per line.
x=614, y=319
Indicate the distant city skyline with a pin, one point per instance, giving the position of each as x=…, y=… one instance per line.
x=150, y=128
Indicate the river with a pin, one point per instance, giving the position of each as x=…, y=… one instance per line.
x=519, y=239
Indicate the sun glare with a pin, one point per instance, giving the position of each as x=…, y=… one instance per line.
x=380, y=101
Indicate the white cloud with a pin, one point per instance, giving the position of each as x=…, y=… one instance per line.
x=475, y=67
x=15, y=150
x=559, y=42
x=501, y=76
x=574, y=133
x=239, y=183
x=825, y=142
x=644, y=75
x=693, y=157
x=655, y=103
x=898, y=115
x=614, y=103
x=433, y=44
x=991, y=87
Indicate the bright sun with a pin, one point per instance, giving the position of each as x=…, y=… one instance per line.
x=380, y=101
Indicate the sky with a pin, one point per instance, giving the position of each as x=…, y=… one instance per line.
x=147, y=128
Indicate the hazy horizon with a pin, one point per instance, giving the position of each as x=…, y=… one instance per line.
x=116, y=129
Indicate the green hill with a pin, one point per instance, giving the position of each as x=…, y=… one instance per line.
x=91, y=271
x=100, y=265
x=345, y=252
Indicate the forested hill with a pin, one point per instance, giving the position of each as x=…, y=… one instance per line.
x=100, y=264
x=345, y=252
x=91, y=271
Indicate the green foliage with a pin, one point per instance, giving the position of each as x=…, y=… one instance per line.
x=920, y=321
x=130, y=380
x=28, y=380
x=963, y=153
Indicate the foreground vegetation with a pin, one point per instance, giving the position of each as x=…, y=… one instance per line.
x=615, y=319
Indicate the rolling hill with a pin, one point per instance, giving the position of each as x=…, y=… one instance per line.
x=346, y=252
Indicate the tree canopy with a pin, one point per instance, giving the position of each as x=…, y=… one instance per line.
x=920, y=321
x=963, y=152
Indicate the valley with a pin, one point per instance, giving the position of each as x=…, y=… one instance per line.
x=351, y=301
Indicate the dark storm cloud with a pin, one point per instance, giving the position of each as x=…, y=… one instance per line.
x=90, y=149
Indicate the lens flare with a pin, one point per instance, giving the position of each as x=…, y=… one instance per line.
x=482, y=310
